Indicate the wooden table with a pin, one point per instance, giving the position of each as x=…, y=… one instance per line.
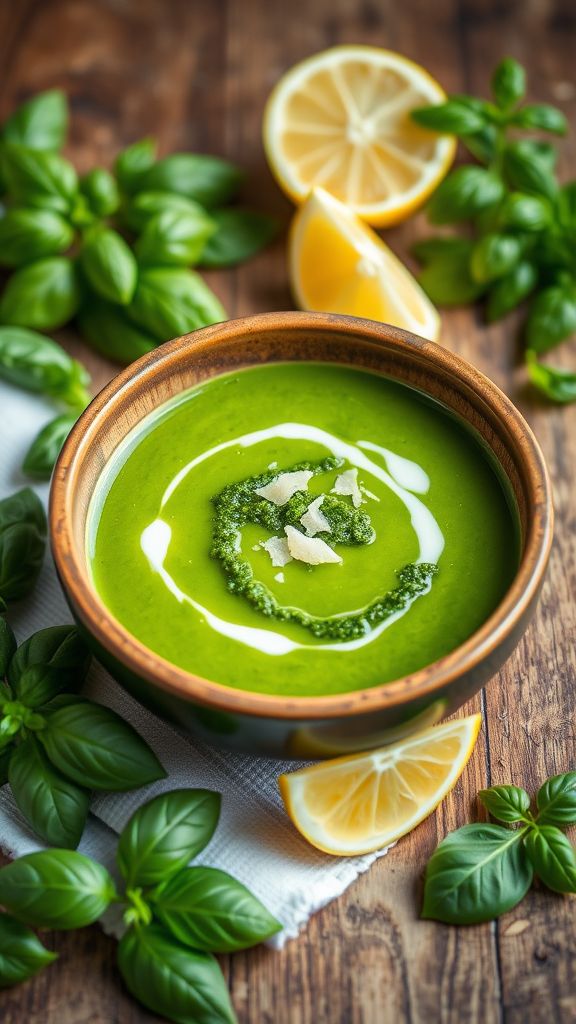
x=196, y=74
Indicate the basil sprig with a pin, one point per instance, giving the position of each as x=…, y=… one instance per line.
x=22, y=546
x=176, y=916
x=55, y=746
x=523, y=220
x=481, y=871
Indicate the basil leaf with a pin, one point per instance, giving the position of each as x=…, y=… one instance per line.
x=510, y=290
x=508, y=83
x=209, y=909
x=36, y=363
x=22, y=544
x=40, y=122
x=42, y=454
x=133, y=162
x=165, y=833
x=23, y=507
x=56, y=889
x=57, y=651
x=552, y=317
x=169, y=302
x=174, y=237
x=482, y=144
x=36, y=178
x=27, y=235
x=7, y=647
x=464, y=193
x=553, y=857
x=145, y=205
x=527, y=171
x=557, y=384
x=476, y=873
x=556, y=799
x=55, y=808
x=21, y=952
x=208, y=180
x=94, y=747
x=525, y=213
x=239, y=235
x=446, y=278
x=493, y=256
x=454, y=116
x=541, y=117
x=109, y=265
x=43, y=295
x=101, y=191
x=111, y=333
x=181, y=984
x=507, y=803
x=567, y=204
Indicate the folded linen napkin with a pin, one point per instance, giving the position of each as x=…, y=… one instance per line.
x=254, y=840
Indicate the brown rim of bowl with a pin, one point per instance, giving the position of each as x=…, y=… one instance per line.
x=139, y=659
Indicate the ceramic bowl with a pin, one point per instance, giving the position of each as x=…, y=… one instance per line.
x=299, y=726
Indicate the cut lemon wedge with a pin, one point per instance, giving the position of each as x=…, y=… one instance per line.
x=357, y=804
x=341, y=120
x=339, y=265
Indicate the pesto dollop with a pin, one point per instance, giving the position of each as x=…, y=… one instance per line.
x=238, y=504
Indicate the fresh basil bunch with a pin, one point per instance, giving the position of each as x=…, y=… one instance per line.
x=481, y=871
x=22, y=546
x=524, y=221
x=176, y=916
x=54, y=746
x=114, y=249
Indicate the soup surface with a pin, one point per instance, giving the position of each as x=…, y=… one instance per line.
x=301, y=529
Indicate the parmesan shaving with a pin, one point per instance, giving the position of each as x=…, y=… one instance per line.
x=347, y=484
x=314, y=521
x=279, y=577
x=284, y=486
x=277, y=548
x=311, y=550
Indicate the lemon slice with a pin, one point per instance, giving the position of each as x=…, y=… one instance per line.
x=341, y=120
x=360, y=803
x=339, y=265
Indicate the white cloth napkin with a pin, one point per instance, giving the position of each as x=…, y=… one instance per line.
x=255, y=840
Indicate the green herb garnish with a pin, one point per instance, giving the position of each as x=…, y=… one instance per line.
x=22, y=545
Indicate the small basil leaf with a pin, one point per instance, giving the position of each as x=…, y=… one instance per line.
x=557, y=384
x=94, y=747
x=61, y=652
x=209, y=909
x=541, y=117
x=169, y=302
x=165, y=833
x=133, y=162
x=36, y=363
x=567, y=204
x=175, y=238
x=109, y=265
x=525, y=213
x=506, y=803
x=556, y=799
x=239, y=235
x=446, y=278
x=27, y=235
x=493, y=256
x=101, y=191
x=510, y=290
x=552, y=317
x=21, y=952
x=22, y=548
x=111, y=333
x=7, y=646
x=439, y=247
x=55, y=808
x=36, y=178
x=454, y=116
x=145, y=205
x=56, y=889
x=208, y=180
x=42, y=454
x=464, y=193
x=23, y=507
x=40, y=122
x=527, y=171
x=482, y=144
x=81, y=214
x=43, y=295
x=553, y=857
x=476, y=873
x=181, y=984
x=508, y=83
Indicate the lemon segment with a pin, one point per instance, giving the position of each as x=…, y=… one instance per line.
x=360, y=803
x=339, y=265
x=341, y=120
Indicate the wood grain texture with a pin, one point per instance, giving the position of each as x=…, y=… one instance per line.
x=196, y=73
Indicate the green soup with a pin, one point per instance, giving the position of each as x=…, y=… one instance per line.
x=302, y=529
